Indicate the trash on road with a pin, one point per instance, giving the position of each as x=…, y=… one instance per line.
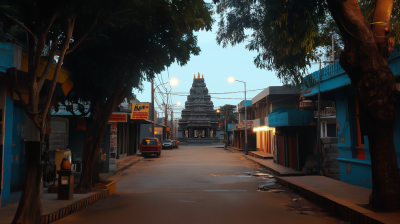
x=264, y=187
x=265, y=175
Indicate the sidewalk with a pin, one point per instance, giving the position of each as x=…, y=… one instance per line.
x=53, y=209
x=342, y=199
x=121, y=165
x=240, y=150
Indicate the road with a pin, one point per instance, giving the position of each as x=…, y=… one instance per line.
x=198, y=184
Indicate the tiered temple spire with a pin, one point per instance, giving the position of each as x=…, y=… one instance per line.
x=199, y=118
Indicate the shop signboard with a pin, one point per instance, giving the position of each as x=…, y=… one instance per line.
x=118, y=117
x=140, y=111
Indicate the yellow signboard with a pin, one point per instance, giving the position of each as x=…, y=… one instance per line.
x=140, y=111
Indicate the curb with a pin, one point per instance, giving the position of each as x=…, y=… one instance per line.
x=77, y=206
x=127, y=166
x=339, y=207
x=347, y=211
x=61, y=213
x=274, y=171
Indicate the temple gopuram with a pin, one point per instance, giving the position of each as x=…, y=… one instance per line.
x=199, y=123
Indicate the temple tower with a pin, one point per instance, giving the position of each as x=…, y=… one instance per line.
x=199, y=119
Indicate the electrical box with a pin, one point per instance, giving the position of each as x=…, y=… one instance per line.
x=59, y=156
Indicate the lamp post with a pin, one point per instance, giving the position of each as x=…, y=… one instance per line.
x=172, y=82
x=231, y=80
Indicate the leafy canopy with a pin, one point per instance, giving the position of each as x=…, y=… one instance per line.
x=136, y=45
x=288, y=35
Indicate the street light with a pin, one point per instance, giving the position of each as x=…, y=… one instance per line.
x=231, y=80
x=178, y=103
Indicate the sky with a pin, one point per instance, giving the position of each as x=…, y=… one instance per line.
x=217, y=64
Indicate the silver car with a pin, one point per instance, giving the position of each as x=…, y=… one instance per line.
x=168, y=144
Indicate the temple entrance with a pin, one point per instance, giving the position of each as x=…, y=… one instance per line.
x=199, y=133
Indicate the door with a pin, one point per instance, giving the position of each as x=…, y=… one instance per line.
x=17, y=159
x=280, y=151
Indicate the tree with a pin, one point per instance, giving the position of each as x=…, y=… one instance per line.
x=50, y=27
x=104, y=71
x=287, y=36
x=232, y=115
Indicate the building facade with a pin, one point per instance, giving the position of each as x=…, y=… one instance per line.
x=351, y=147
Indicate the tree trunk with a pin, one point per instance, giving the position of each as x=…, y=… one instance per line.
x=30, y=208
x=95, y=130
x=368, y=70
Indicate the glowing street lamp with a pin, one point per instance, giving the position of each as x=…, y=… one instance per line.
x=178, y=103
x=232, y=80
x=173, y=82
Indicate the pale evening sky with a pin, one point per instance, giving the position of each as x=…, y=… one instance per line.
x=216, y=64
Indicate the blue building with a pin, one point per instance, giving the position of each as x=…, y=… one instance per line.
x=15, y=126
x=354, y=157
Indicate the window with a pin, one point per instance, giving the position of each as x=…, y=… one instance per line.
x=149, y=142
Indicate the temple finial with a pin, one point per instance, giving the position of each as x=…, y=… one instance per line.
x=202, y=76
x=194, y=76
x=198, y=75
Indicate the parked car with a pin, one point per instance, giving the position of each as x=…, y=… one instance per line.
x=167, y=144
x=150, y=146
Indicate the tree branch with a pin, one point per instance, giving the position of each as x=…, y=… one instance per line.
x=21, y=25
x=105, y=22
x=83, y=37
x=48, y=66
x=52, y=18
x=68, y=36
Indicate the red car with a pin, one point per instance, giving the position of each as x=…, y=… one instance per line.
x=150, y=146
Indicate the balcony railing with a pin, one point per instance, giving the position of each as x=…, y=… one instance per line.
x=313, y=106
x=329, y=111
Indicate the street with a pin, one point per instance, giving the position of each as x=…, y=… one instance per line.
x=198, y=184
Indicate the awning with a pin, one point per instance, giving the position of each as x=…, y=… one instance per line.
x=330, y=84
x=289, y=116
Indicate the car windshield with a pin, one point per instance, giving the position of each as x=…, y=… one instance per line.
x=167, y=141
x=149, y=142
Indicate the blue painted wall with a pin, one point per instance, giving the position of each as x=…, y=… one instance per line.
x=7, y=56
x=5, y=196
x=360, y=169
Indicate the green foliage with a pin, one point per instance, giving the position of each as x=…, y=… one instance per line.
x=285, y=34
x=135, y=46
x=232, y=115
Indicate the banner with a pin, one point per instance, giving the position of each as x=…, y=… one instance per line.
x=118, y=117
x=140, y=111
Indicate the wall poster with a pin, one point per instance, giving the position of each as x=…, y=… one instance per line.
x=113, y=144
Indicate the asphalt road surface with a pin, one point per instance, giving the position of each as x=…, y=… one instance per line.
x=199, y=184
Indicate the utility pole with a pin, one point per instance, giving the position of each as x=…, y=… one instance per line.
x=245, y=120
x=166, y=116
x=172, y=124
x=319, y=121
x=333, y=51
x=152, y=108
